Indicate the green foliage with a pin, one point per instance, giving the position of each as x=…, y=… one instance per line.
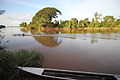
x=27, y=58
x=56, y=23
x=69, y=24
x=97, y=16
x=6, y=65
x=10, y=60
x=92, y=24
x=64, y=24
x=23, y=24
x=95, y=23
x=73, y=23
x=109, y=21
x=44, y=17
x=117, y=23
x=83, y=23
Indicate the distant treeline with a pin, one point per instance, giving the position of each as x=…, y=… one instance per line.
x=44, y=17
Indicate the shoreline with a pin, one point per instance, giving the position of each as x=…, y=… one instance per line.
x=47, y=28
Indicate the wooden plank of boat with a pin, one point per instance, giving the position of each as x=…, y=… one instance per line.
x=39, y=71
x=68, y=74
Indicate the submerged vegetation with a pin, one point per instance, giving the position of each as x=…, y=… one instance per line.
x=44, y=18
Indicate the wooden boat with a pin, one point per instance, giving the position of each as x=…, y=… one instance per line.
x=57, y=74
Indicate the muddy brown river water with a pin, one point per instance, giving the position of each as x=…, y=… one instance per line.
x=95, y=51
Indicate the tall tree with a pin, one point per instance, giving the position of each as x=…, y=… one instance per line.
x=56, y=23
x=44, y=17
x=83, y=23
x=86, y=22
x=109, y=21
x=97, y=19
x=97, y=16
x=73, y=23
x=23, y=24
x=117, y=23
x=92, y=23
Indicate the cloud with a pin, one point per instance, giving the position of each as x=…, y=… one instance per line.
x=81, y=9
x=22, y=2
x=15, y=19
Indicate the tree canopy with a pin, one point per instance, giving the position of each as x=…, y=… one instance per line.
x=23, y=24
x=44, y=17
x=96, y=22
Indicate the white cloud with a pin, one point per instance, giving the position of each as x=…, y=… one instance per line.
x=22, y=2
x=81, y=9
x=15, y=19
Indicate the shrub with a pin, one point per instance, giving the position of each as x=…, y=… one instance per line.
x=10, y=60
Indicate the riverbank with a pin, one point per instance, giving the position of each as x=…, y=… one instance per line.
x=68, y=30
x=44, y=28
x=10, y=60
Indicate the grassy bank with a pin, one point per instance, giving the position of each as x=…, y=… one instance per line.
x=10, y=60
x=45, y=28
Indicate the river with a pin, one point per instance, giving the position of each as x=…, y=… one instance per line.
x=92, y=51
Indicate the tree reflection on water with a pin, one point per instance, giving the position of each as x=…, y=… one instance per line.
x=53, y=41
x=49, y=41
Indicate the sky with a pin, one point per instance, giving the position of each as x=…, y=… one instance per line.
x=17, y=11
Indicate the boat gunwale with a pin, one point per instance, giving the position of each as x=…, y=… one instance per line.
x=116, y=76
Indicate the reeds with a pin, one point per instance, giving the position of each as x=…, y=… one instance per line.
x=10, y=60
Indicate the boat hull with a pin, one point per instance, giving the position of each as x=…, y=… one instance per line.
x=58, y=74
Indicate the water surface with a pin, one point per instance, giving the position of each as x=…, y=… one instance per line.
x=94, y=51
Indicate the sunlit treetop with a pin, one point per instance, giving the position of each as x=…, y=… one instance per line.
x=44, y=17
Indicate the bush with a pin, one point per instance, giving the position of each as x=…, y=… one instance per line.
x=23, y=24
x=10, y=60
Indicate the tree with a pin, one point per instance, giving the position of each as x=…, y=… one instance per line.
x=73, y=23
x=67, y=24
x=109, y=18
x=44, y=17
x=83, y=23
x=97, y=16
x=56, y=23
x=92, y=24
x=86, y=22
x=117, y=23
x=109, y=21
x=62, y=24
x=23, y=24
